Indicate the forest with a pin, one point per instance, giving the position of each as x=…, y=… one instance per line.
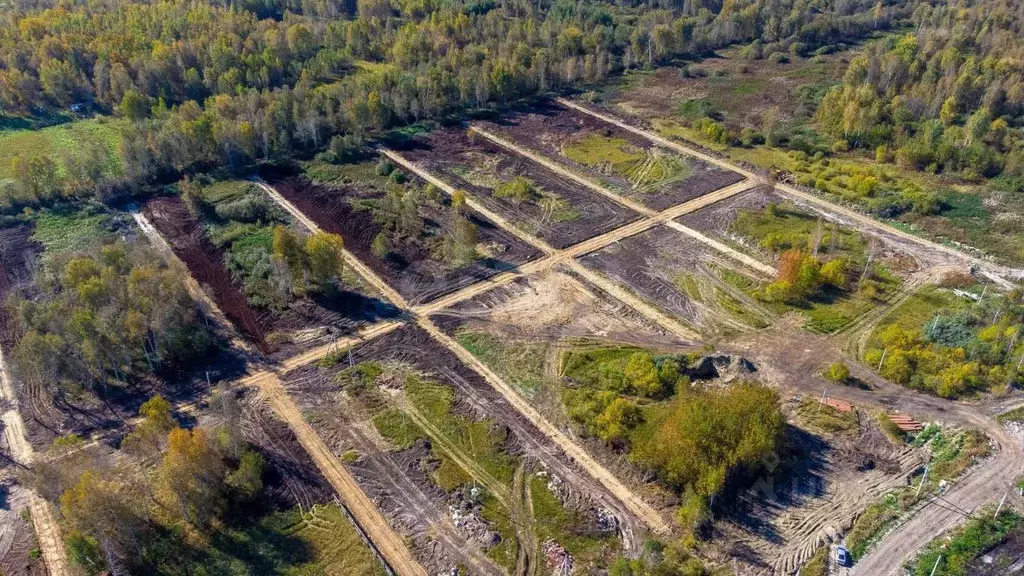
x=203, y=85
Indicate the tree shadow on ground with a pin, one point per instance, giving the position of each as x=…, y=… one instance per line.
x=783, y=480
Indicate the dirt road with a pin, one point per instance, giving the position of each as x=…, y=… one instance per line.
x=633, y=503
x=363, y=270
x=47, y=529
x=795, y=358
x=387, y=542
x=567, y=256
x=797, y=193
x=666, y=217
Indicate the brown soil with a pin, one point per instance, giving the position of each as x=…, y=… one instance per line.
x=18, y=254
x=414, y=346
x=311, y=320
x=546, y=128
x=410, y=269
x=816, y=491
x=447, y=150
x=205, y=263
x=550, y=306
x=648, y=265
x=396, y=481
x=17, y=536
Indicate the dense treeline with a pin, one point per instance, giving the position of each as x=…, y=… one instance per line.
x=104, y=316
x=947, y=97
x=205, y=84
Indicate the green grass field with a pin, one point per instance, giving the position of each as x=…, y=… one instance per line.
x=65, y=231
x=644, y=169
x=521, y=364
x=778, y=228
x=74, y=139
x=292, y=543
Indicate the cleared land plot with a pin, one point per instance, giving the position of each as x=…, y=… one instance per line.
x=521, y=331
x=680, y=276
x=543, y=203
x=428, y=439
x=767, y=225
x=281, y=330
x=19, y=548
x=626, y=163
x=412, y=266
x=518, y=329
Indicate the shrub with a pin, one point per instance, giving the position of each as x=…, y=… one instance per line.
x=518, y=189
x=379, y=246
x=248, y=209
x=838, y=372
x=695, y=108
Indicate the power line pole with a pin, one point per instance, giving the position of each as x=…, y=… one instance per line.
x=936, y=567
x=921, y=485
x=1000, y=507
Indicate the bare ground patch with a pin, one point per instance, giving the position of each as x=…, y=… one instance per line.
x=560, y=212
x=410, y=268
x=636, y=167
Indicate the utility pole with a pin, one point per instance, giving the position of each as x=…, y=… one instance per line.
x=936, y=567
x=921, y=485
x=884, y=350
x=822, y=401
x=1000, y=507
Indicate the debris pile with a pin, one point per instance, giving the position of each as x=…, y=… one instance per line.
x=905, y=423
x=558, y=560
x=607, y=521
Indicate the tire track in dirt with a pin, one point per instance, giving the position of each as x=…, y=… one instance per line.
x=43, y=521
x=369, y=518
x=522, y=524
x=387, y=543
x=796, y=193
x=567, y=256
x=665, y=217
x=634, y=503
x=984, y=483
